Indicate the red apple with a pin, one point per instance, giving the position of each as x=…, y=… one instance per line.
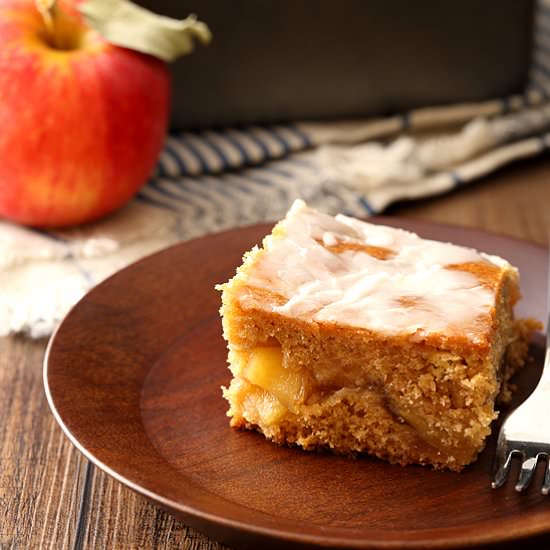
x=81, y=121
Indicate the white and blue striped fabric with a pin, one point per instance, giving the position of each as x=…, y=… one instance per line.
x=212, y=180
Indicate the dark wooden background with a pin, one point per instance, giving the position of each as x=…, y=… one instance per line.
x=51, y=498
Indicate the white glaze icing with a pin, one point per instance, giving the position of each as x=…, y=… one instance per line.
x=352, y=287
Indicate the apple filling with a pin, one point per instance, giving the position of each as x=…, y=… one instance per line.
x=273, y=390
x=287, y=387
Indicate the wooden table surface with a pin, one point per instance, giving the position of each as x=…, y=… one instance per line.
x=51, y=497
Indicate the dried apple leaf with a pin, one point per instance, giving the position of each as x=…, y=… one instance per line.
x=125, y=24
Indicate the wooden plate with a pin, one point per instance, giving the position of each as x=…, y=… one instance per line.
x=133, y=376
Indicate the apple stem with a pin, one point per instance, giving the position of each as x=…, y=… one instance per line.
x=47, y=9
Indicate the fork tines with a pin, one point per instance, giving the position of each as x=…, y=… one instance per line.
x=530, y=454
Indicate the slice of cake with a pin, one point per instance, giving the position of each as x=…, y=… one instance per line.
x=358, y=338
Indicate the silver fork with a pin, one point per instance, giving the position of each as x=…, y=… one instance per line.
x=526, y=431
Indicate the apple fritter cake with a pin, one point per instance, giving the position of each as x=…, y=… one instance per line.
x=361, y=338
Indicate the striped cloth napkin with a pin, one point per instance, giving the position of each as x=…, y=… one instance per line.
x=213, y=180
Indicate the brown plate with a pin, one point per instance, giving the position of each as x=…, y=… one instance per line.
x=133, y=376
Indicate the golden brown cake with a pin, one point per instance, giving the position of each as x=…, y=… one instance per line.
x=362, y=338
